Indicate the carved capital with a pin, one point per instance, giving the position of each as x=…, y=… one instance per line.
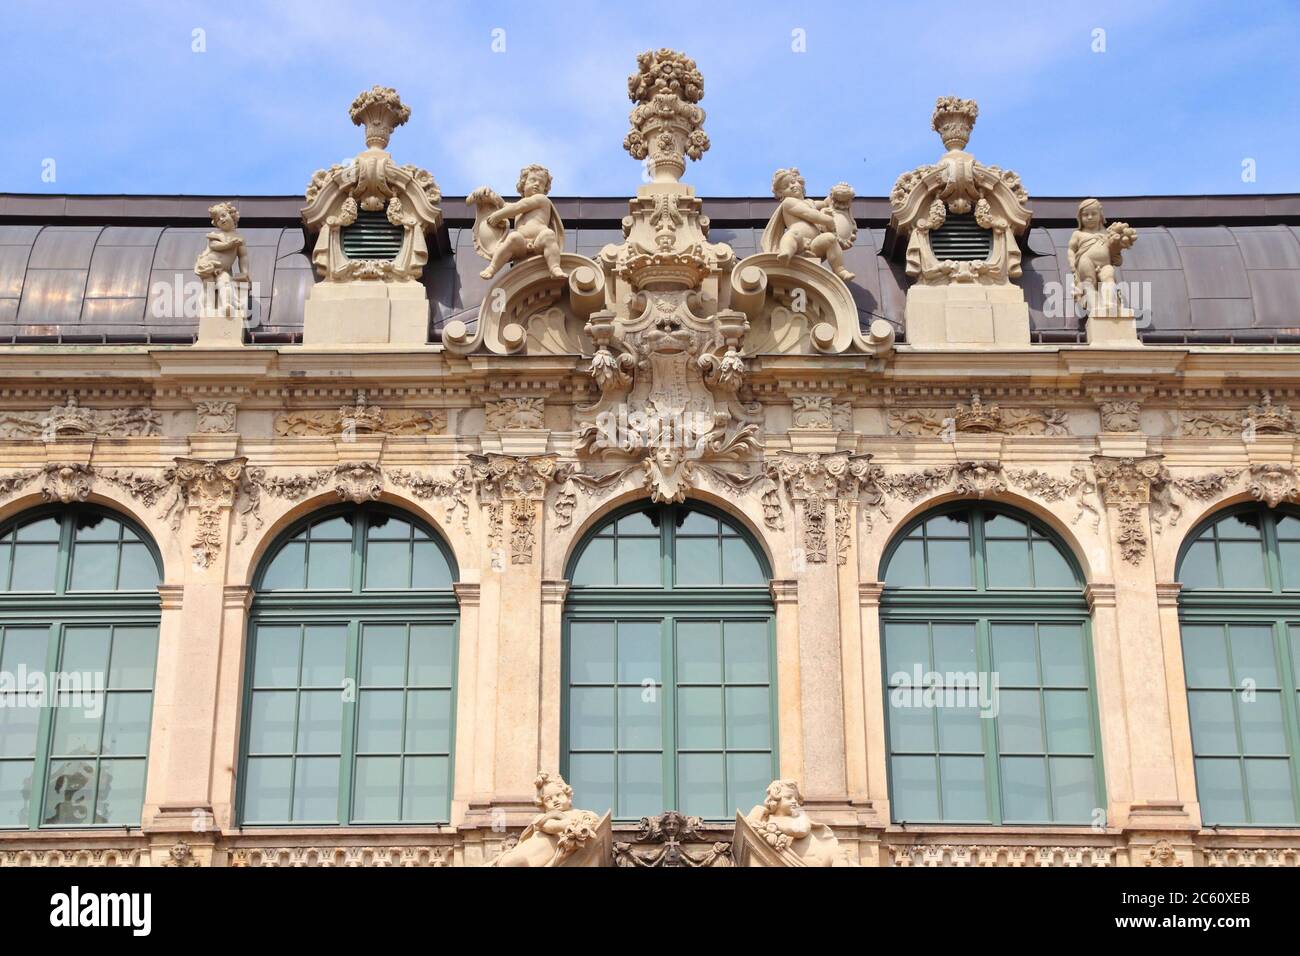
x=516, y=484
x=208, y=488
x=1129, y=485
x=817, y=481
x=67, y=482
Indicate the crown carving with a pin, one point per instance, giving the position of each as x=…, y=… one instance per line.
x=1270, y=419
x=975, y=416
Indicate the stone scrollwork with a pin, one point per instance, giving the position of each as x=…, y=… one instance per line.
x=1079, y=486
x=976, y=417
x=214, y=416
x=819, y=482
x=72, y=420
x=516, y=483
x=820, y=412
x=1120, y=416
x=361, y=418
x=372, y=183
x=1130, y=485
x=454, y=490
x=67, y=482
x=515, y=413
x=209, y=489
x=669, y=831
x=1273, y=483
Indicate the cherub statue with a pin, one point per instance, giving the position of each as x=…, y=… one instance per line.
x=215, y=264
x=781, y=823
x=802, y=227
x=557, y=833
x=1095, y=252
x=537, y=226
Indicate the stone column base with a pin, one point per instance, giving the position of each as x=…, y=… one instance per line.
x=366, y=313
x=1111, y=330
x=967, y=315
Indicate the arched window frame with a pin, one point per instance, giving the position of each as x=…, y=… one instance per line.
x=670, y=602
x=61, y=609
x=355, y=608
x=985, y=606
x=1273, y=606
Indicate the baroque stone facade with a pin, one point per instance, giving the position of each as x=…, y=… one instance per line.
x=669, y=369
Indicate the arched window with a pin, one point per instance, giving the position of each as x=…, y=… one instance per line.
x=1240, y=619
x=669, y=668
x=351, y=674
x=78, y=640
x=988, y=670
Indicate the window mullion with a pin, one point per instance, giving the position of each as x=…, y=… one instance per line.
x=348, y=743
x=1290, y=727
x=668, y=719
x=989, y=729
x=45, y=729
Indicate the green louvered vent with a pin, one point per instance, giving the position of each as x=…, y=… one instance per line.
x=372, y=236
x=961, y=238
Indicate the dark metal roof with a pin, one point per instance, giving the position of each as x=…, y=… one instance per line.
x=103, y=268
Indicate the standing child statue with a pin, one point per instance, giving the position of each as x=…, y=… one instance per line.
x=802, y=227
x=537, y=226
x=216, y=264
x=1095, y=253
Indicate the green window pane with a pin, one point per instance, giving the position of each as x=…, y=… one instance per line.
x=640, y=785
x=911, y=729
x=1269, y=785
x=906, y=646
x=134, y=653
x=85, y=650
x=746, y=647
x=329, y=565
x=377, y=790
x=739, y=563
x=963, y=789
x=121, y=792
x=323, y=651
x=699, y=718
x=1214, y=731
x=384, y=527
x=639, y=718
x=1243, y=526
x=950, y=564
x=276, y=656
x=1220, y=788
x=699, y=652
x=379, y=721
x=954, y=647
x=696, y=522
x=698, y=562
x=267, y=789
x=1074, y=790
x=907, y=566
x=126, y=723
x=15, y=792
x=638, y=522
x=288, y=569
x=20, y=720
x=749, y=718
x=1262, y=729
x=316, y=789
x=1051, y=569
x=1005, y=526
x=1253, y=656
x=591, y=652
x=320, y=721
x=138, y=572
x=591, y=718
x=429, y=567
x=1008, y=564
x=702, y=782
x=1015, y=654
x=388, y=564
x=96, y=527
x=46, y=529
x=1243, y=564
x=592, y=778
x=94, y=566
x=383, y=655
x=595, y=565
x=748, y=775
x=76, y=729
x=24, y=650
x=431, y=655
x=270, y=725
x=1205, y=656
x=338, y=529
x=34, y=567
x=428, y=721
x=6, y=564
x=70, y=793
x=1061, y=649
x=960, y=729
x=640, y=648
x=1019, y=722
x=1289, y=559
x=426, y=789
x=1288, y=527
x=1200, y=568
x=638, y=562
x=1024, y=790
x=916, y=788
x=1069, y=721
x=1293, y=631
x=955, y=524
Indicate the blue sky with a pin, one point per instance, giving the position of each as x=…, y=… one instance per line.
x=1183, y=93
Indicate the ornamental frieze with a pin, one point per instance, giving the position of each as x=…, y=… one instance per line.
x=361, y=418
x=71, y=420
x=978, y=418
x=1260, y=418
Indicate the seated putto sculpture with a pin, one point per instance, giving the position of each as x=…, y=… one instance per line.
x=560, y=835
x=804, y=227
x=537, y=226
x=226, y=249
x=1095, y=253
x=778, y=832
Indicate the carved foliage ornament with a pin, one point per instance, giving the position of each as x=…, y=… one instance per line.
x=976, y=417
x=517, y=484
x=1128, y=485
x=823, y=481
x=208, y=488
x=71, y=420
x=362, y=418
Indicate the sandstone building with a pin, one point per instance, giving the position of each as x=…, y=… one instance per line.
x=347, y=518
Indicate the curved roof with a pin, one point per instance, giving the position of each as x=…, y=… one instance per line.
x=63, y=280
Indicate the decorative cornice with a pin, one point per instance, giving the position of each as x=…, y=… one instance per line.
x=467, y=593
x=784, y=590
x=869, y=593
x=1167, y=593
x=1099, y=594
x=554, y=592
